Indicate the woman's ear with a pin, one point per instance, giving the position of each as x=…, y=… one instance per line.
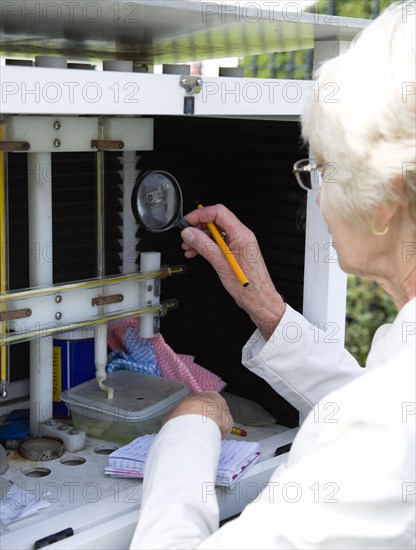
x=387, y=211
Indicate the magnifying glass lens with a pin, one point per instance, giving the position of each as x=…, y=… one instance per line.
x=157, y=201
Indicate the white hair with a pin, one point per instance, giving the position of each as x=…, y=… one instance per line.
x=367, y=129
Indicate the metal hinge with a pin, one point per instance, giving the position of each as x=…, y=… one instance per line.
x=14, y=146
x=192, y=84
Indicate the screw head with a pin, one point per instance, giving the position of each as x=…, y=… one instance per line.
x=58, y=315
x=57, y=142
x=58, y=299
x=57, y=125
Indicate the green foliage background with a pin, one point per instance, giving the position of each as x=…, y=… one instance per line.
x=293, y=65
x=352, y=8
x=368, y=307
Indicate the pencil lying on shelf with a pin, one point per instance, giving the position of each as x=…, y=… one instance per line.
x=238, y=431
x=227, y=252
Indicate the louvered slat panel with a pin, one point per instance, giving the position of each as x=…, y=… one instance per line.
x=74, y=227
x=246, y=165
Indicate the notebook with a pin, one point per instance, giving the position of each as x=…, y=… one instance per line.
x=236, y=458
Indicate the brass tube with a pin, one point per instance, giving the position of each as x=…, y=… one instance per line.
x=4, y=351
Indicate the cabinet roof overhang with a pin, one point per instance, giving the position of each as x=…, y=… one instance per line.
x=163, y=31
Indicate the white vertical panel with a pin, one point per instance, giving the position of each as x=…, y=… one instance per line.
x=325, y=285
x=40, y=273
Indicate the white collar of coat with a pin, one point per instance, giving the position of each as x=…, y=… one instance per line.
x=392, y=339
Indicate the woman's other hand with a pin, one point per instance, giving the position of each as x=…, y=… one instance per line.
x=208, y=404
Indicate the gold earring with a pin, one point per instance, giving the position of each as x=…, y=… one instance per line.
x=378, y=232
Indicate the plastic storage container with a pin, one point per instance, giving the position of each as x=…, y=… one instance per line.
x=140, y=403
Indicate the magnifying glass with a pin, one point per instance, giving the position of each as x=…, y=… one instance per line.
x=156, y=201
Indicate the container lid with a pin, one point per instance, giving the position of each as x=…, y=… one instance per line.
x=137, y=396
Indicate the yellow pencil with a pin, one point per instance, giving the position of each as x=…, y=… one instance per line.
x=227, y=253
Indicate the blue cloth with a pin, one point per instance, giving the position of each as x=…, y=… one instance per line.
x=140, y=356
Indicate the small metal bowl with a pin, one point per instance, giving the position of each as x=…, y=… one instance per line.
x=41, y=448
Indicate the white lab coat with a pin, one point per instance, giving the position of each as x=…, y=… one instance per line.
x=350, y=478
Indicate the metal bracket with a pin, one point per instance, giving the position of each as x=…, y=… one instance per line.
x=14, y=146
x=15, y=314
x=106, y=144
x=104, y=300
x=191, y=84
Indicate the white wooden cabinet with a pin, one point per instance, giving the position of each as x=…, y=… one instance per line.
x=103, y=512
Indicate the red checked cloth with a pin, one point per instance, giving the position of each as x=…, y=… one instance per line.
x=176, y=366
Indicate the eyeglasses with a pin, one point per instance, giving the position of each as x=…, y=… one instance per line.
x=308, y=174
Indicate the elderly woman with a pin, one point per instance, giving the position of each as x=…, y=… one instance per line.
x=354, y=472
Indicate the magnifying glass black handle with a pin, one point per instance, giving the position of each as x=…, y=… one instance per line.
x=182, y=223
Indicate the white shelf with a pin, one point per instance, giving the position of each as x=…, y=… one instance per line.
x=102, y=510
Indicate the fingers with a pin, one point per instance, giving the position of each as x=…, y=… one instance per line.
x=218, y=214
x=189, y=251
x=197, y=241
x=207, y=404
